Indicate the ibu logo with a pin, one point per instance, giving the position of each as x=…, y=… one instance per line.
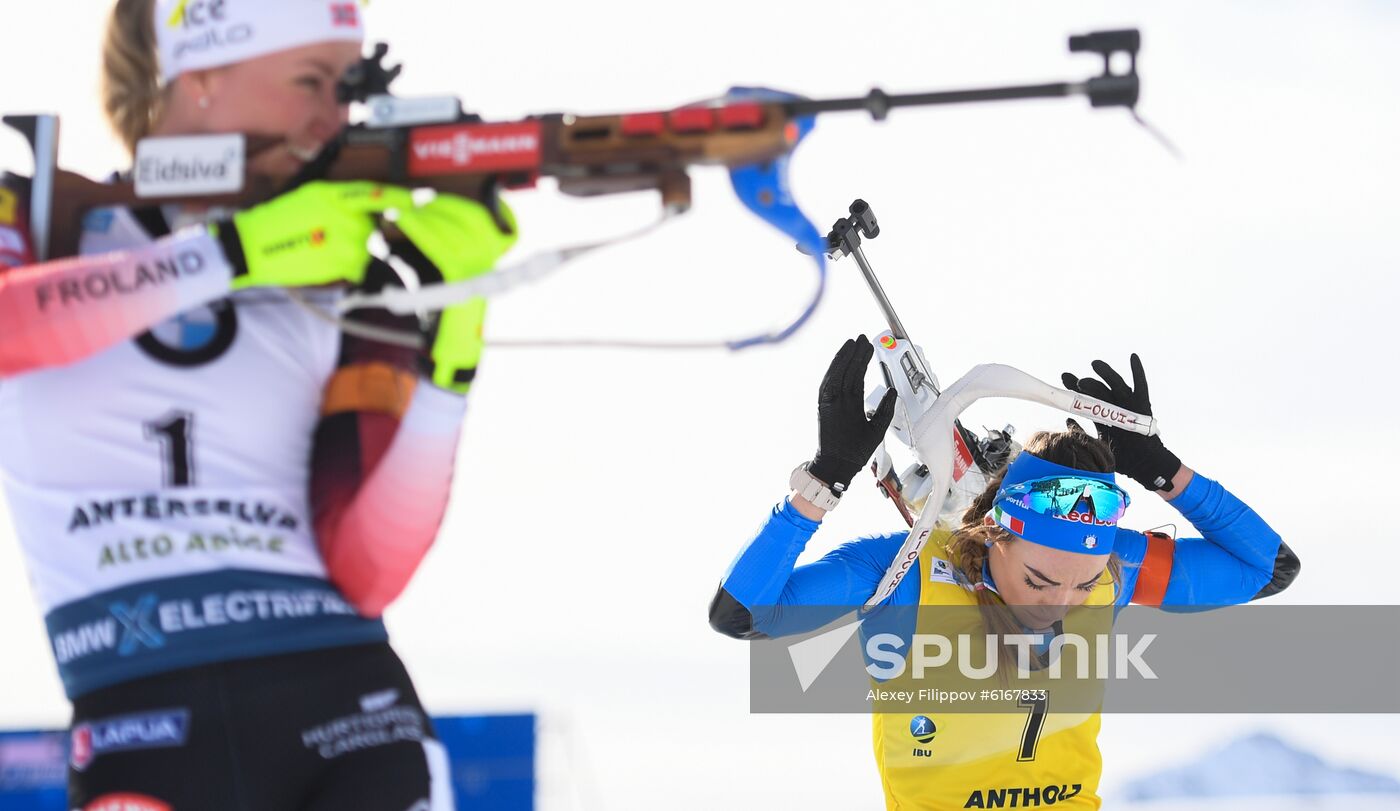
x=922, y=728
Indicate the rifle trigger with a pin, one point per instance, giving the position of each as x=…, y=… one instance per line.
x=491, y=198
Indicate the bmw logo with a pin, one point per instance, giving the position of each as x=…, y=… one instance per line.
x=922, y=728
x=194, y=337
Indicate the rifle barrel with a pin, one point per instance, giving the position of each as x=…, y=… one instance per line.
x=878, y=102
x=896, y=326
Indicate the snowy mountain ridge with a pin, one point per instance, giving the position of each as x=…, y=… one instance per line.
x=1262, y=765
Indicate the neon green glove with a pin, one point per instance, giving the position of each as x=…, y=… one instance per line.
x=457, y=341
x=315, y=234
x=459, y=238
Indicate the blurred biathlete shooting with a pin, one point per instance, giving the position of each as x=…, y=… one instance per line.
x=225, y=492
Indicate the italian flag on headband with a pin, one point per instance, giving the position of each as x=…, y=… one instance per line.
x=1011, y=522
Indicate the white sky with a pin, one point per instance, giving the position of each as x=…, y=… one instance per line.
x=1256, y=278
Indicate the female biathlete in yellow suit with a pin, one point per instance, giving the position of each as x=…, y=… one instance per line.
x=1023, y=548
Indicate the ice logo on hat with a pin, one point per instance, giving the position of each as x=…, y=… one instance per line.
x=190, y=14
x=1090, y=541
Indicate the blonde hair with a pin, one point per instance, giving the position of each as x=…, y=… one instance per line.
x=971, y=543
x=132, y=95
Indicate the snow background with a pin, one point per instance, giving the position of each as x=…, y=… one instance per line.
x=1256, y=278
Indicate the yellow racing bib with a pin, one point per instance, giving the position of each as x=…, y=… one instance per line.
x=1026, y=755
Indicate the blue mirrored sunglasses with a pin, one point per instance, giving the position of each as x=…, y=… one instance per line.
x=1072, y=497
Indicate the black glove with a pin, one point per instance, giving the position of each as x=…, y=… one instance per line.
x=847, y=439
x=1141, y=458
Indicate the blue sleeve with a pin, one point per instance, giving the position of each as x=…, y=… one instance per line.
x=765, y=578
x=1228, y=566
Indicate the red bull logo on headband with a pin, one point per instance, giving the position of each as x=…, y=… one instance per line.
x=1085, y=518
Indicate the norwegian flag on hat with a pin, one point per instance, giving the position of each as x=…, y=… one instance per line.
x=345, y=14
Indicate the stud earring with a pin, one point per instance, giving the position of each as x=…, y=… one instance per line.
x=203, y=102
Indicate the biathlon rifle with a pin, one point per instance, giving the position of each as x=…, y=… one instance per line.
x=430, y=142
x=952, y=464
